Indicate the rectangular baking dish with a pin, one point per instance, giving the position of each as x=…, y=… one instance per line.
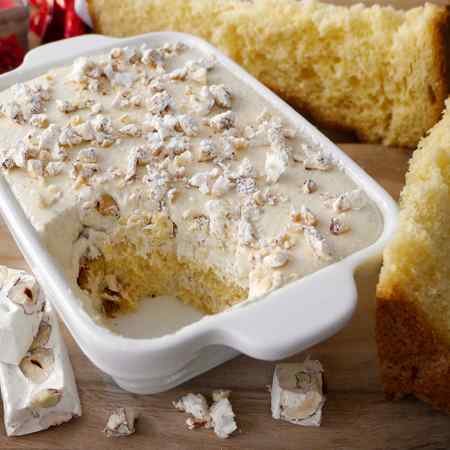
x=270, y=328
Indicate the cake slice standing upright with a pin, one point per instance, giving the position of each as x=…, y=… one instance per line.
x=413, y=306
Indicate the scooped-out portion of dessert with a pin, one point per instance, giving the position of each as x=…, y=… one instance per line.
x=155, y=170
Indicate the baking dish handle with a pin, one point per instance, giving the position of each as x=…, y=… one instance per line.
x=295, y=317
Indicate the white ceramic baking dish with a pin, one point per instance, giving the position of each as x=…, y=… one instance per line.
x=284, y=322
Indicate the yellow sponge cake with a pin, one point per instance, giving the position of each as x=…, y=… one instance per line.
x=378, y=71
x=413, y=309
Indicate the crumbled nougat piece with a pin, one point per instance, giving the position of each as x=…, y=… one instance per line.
x=223, y=121
x=317, y=243
x=221, y=94
x=297, y=393
x=276, y=164
x=207, y=150
x=121, y=422
x=160, y=102
x=222, y=418
x=346, y=201
x=221, y=186
x=219, y=415
x=194, y=404
x=39, y=120
x=277, y=259
x=201, y=103
x=246, y=233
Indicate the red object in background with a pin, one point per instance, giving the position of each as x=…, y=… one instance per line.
x=11, y=53
x=73, y=24
x=40, y=17
x=6, y=4
x=52, y=20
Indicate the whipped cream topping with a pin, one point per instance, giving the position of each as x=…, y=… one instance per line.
x=99, y=150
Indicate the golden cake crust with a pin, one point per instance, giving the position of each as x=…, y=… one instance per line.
x=413, y=294
x=441, y=40
x=413, y=358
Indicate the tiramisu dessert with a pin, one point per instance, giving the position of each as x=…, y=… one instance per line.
x=155, y=170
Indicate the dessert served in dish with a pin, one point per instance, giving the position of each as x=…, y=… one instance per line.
x=413, y=308
x=381, y=72
x=155, y=170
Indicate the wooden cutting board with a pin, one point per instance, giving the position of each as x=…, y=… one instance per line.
x=356, y=415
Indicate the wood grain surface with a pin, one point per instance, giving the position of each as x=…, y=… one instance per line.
x=356, y=415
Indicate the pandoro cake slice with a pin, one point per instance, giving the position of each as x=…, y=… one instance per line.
x=413, y=306
x=380, y=72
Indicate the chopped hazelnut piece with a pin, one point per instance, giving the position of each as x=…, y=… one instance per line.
x=317, y=162
x=277, y=259
x=39, y=120
x=130, y=130
x=65, y=106
x=188, y=124
x=172, y=195
x=178, y=74
x=159, y=103
x=309, y=186
x=54, y=168
x=276, y=165
x=107, y=206
x=207, y=150
x=296, y=216
x=307, y=216
x=221, y=95
x=346, y=201
x=201, y=181
x=38, y=364
x=221, y=186
x=223, y=121
x=246, y=169
x=46, y=398
x=337, y=226
x=87, y=155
